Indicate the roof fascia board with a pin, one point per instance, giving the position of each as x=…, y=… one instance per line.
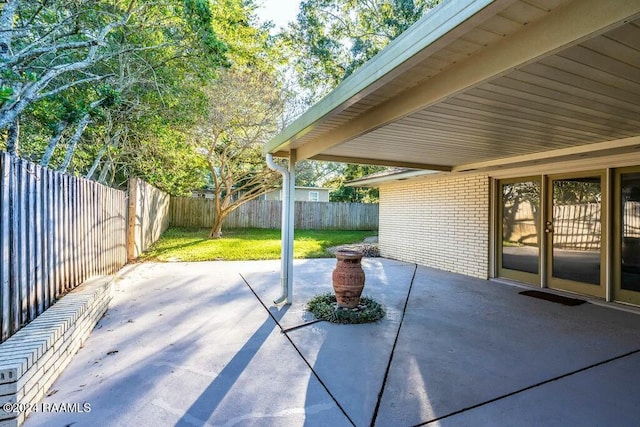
x=375, y=181
x=427, y=30
x=563, y=27
x=392, y=163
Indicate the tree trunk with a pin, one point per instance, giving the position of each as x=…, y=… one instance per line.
x=114, y=142
x=216, y=229
x=96, y=162
x=73, y=142
x=105, y=170
x=13, y=138
x=53, y=142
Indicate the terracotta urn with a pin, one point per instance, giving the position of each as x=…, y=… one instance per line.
x=348, y=278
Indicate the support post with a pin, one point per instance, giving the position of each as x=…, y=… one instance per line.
x=291, y=223
x=288, y=206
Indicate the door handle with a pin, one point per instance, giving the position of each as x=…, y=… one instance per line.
x=548, y=228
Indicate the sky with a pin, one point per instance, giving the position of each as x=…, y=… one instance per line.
x=279, y=11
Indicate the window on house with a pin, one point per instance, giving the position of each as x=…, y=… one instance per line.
x=314, y=196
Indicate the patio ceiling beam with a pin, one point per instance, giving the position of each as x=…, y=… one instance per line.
x=563, y=27
x=381, y=162
x=619, y=146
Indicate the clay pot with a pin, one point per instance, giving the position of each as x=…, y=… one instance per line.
x=348, y=278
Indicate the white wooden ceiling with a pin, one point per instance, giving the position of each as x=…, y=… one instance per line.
x=586, y=93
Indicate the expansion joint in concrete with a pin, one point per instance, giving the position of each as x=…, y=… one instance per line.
x=393, y=349
x=313, y=371
x=513, y=393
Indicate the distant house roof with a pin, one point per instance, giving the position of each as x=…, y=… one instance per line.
x=392, y=174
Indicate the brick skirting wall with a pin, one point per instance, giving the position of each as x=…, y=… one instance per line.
x=437, y=223
x=33, y=358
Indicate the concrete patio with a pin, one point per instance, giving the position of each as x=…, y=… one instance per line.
x=193, y=344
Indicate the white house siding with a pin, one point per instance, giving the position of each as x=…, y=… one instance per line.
x=437, y=223
x=301, y=194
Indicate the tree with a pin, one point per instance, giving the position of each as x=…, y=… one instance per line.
x=312, y=173
x=514, y=195
x=47, y=48
x=244, y=109
x=100, y=78
x=243, y=115
x=342, y=193
x=332, y=38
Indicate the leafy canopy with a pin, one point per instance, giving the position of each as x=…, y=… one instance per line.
x=332, y=38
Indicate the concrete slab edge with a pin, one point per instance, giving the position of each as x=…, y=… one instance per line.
x=33, y=358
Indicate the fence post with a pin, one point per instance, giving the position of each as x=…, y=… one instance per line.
x=5, y=244
x=131, y=218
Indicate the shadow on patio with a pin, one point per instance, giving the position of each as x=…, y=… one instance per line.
x=196, y=347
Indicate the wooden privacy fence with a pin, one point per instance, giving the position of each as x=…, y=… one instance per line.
x=199, y=212
x=55, y=232
x=575, y=227
x=148, y=216
x=631, y=219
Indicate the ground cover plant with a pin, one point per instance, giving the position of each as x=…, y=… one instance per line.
x=325, y=307
x=184, y=244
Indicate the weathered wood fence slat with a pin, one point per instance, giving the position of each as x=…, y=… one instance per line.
x=199, y=212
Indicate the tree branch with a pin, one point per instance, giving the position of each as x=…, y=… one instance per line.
x=26, y=54
x=72, y=84
x=7, y=18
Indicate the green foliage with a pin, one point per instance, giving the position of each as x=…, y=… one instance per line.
x=5, y=93
x=249, y=44
x=342, y=193
x=165, y=160
x=199, y=17
x=325, y=307
x=581, y=190
x=311, y=173
x=150, y=72
x=332, y=38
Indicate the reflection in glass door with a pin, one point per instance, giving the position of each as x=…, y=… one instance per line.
x=575, y=234
x=627, y=241
x=518, y=242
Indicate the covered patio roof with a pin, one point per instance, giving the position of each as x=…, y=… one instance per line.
x=479, y=84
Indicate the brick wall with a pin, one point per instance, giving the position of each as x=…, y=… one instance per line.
x=33, y=358
x=437, y=223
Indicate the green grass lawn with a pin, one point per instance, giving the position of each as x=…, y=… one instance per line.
x=181, y=244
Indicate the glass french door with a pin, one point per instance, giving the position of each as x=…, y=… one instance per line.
x=575, y=214
x=552, y=229
x=519, y=233
x=626, y=241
